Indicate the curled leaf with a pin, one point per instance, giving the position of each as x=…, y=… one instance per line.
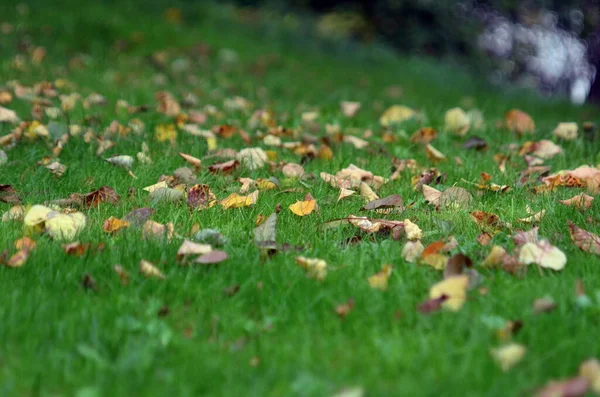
x=315, y=268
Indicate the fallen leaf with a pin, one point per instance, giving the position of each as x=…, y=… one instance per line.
x=455, y=197
x=543, y=305
x=25, y=243
x=457, y=121
x=9, y=195
x=234, y=200
x=148, y=270
x=396, y=114
x=413, y=232
x=226, y=168
x=88, y=282
x=157, y=230
x=380, y=279
x=57, y=168
x=590, y=369
x=349, y=108
x=508, y=356
x=432, y=305
x=390, y=202
x=104, y=194
x=315, y=268
x=122, y=161
x=191, y=160
x=303, y=208
x=581, y=201
x=584, y=240
x=431, y=195
x=345, y=193
x=476, y=143
x=343, y=309
x=139, y=216
x=572, y=387
x=423, y=135
x=455, y=288
x=487, y=220
x=75, y=248
x=412, y=250
x=265, y=235
x=292, y=170
x=18, y=259
x=212, y=257
x=543, y=254
x=495, y=258
x=156, y=186
x=15, y=213
x=522, y=237
x=519, y=122
x=166, y=195
x=252, y=158
x=434, y=155
x=367, y=193
x=534, y=218
x=456, y=265
x=188, y=248
x=8, y=116
x=200, y=197
x=113, y=224
x=566, y=131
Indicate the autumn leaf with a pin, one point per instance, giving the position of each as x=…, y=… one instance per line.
x=581, y=201
x=590, y=370
x=345, y=193
x=148, y=270
x=380, y=279
x=584, y=240
x=543, y=254
x=434, y=155
x=265, y=235
x=457, y=121
x=396, y=114
x=189, y=248
x=508, y=356
x=455, y=288
x=349, y=108
x=519, y=122
x=155, y=230
x=292, y=170
x=390, y=202
x=234, y=200
x=191, y=160
x=423, y=135
x=122, y=161
x=303, y=208
x=367, y=193
x=566, y=131
x=212, y=257
x=113, y=224
x=19, y=258
x=104, y=194
x=412, y=250
x=200, y=197
x=226, y=168
x=252, y=158
x=9, y=195
x=75, y=248
x=315, y=268
x=571, y=387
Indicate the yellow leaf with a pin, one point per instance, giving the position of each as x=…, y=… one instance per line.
x=413, y=232
x=65, y=227
x=156, y=186
x=113, y=224
x=412, y=250
x=455, y=288
x=396, y=114
x=150, y=271
x=166, y=132
x=315, y=268
x=508, y=356
x=590, y=369
x=457, y=121
x=302, y=208
x=367, y=193
x=566, y=131
x=234, y=200
x=37, y=214
x=495, y=257
x=434, y=155
x=544, y=254
x=380, y=279
x=345, y=193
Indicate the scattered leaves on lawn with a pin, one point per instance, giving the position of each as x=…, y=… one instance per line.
x=509, y=355
x=581, y=201
x=234, y=200
x=113, y=224
x=519, y=122
x=584, y=240
x=543, y=254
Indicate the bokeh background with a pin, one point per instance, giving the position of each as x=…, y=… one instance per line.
x=550, y=46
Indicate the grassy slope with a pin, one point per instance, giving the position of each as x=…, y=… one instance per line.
x=56, y=338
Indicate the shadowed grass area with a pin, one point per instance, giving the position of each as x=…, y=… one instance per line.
x=279, y=335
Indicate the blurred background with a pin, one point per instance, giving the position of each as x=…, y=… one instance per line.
x=550, y=46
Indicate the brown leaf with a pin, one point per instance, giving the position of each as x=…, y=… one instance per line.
x=212, y=257
x=139, y=216
x=122, y=273
x=88, y=282
x=432, y=305
x=487, y=220
x=584, y=240
x=543, y=305
x=191, y=160
x=75, y=248
x=519, y=121
x=9, y=195
x=394, y=201
x=226, y=168
x=572, y=387
x=200, y=197
x=476, y=143
x=423, y=135
x=456, y=264
x=25, y=243
x=19, y=258
x=188, y=248
x=105, y=194
x=343, y=309
x=581, y=201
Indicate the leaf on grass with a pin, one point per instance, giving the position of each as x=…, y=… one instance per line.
x=212, y=257
x=226, y=167
x=139, y=216
x=487, y=220
x=396, y=114
x=543, y=149
x=166, y=132
x=535, y=217
x=104, y=194
x=122, y=273
x=432, y=196
x=155, y=230
x=432, y=305
x=543, y=254
x=590, y=369
x=345, y=193
x=495, y=258
x=113, y=224
x=521, y=237
x=57, y=168
x=412, y=250
x=456, y=265
x=566, y=131
x=156, y=186
x=584, y=176
x=433, y=257
x=19, y=258
x=519, y=122
x=543, y=305
x=148, y=270
x=584, y=240
x=9, y=195
x=265, y=235
x=571, y=387
x=200, y=197
x=424, y=135
x=390, y=202
x=581, y=201
x=455, y=197
x=455, y=288
x=367, y=193
x=166, y=195
x=252, y=158
x=434, y=155
x=315, y=268
x=508, y=356
x=476, y=143
x=349, y=108
x=25, y=243
x=343, y=309
x=191, y=160
x=380, y=279
x=457, y=121
x=188, y=248
x=122, y=161
x=234, y=200
x=75, y=248
x=303, y=208
x=15, y=213
x=8, y=116
x=292, y=170
x=412, y=230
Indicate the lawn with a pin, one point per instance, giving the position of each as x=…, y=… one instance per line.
x=257, y=323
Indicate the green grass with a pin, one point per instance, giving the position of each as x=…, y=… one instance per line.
x=59, y=339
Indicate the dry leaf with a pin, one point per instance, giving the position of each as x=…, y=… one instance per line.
x=200, y=197
x=432, y=305
x=302, y=208
x=534, y=218
x=113, y=224
x=234, y=200
x=191, y=160
x=412, y=250
x=434, y=155
x=572, y=387
x=590, y=369
x=226, y=168
x=16, y=213
x=423, y=135
x=455, y=288
x=166, y=195
x=390, y=202
x=292, y=170
x=188, y=248
x=343, y=309
x=349, y=108
x=315, y=268
x=122, y=161
x=252, y=158
x=413, y=232
x=367, y=193
x=584, y=240
x=75, y=248
x=543, y=254
x=519, y=122
x=345, y=193
x=396, y=114
x=265, y=235
x=455, y=197
x=495, y=258
x=457, y=121
x=25, y=243
x=543, y=305
x=432, y=196
x=19, y=258
x=566, y=131
x=157, y=230
x=57, y=168
x=122, y=273
x=380, y=279
x=581, y=201
x=508, y=356
x=150, y=271
x=212, y=257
